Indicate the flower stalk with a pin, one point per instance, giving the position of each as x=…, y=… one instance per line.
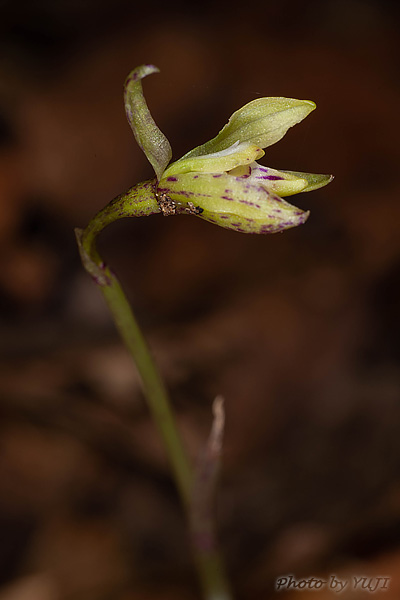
x=188, y=480
x=137, y=203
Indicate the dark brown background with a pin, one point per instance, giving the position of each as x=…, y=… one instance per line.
x=299, y=332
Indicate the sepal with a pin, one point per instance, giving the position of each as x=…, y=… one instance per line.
x=262, y=122
x=231, y=202
x=149, y=137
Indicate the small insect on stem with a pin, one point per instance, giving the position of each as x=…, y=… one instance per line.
x=170, y=207
x=194, y=210
x=166, y=204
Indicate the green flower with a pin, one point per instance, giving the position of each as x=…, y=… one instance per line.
x=220, y=181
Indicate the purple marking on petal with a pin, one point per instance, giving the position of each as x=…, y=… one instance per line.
x=195, y=176
x=248, y=203
x=172, y=179
x=184, y=193
x=236, y=224
x=223, y=217
x=226, y=198
x=218, y=175
x=273, y=177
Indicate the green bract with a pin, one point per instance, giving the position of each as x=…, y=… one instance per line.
x=220, y=181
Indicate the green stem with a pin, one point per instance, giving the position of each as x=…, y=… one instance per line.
x=153, y=386
x=141, y=201
x=138, y=201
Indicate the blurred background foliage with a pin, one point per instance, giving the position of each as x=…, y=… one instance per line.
x=299, y=332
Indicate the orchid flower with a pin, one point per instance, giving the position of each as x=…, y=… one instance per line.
x=220, y=181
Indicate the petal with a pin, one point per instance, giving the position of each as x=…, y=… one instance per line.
x=231, y=202
x=225, y=160
x=314, y=180
x=263, y=122
x=150, y=139
x=276, y=181
x=286, y=183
